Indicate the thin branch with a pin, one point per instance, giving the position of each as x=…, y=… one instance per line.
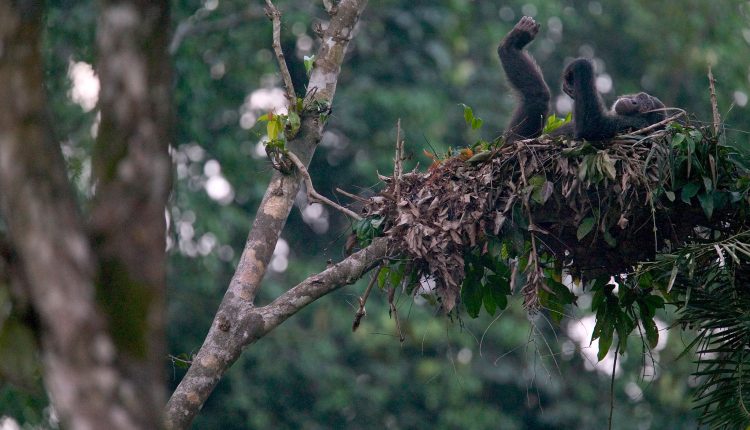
x=275, y=16
x=394, y=313
x=314, y=195
x=661, y=123
x=714, y=103
x=612, y=386
x=398, y=162
x=352, y=196
x=361, y=312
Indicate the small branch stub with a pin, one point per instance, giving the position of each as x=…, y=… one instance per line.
x=393, y=312
x=398, y=166
x=361, y=312
x=314, y=195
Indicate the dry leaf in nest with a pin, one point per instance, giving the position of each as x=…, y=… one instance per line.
x=551, y=186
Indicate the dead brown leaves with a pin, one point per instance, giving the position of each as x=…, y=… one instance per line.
x=541, y=188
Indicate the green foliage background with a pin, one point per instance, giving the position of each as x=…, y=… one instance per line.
x=415, y=60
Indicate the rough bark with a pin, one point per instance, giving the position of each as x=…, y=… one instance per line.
x=237, y=311
x=132, y=173
x=50, y=243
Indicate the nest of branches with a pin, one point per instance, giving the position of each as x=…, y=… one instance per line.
x=542, y=202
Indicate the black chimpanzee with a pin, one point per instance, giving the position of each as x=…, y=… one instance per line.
x=591, y=120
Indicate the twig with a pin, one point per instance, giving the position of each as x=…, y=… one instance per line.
x=361, y=312
x=394, y=313
x=679, y=114
x=612, y=386
x=352, y=196
x=314, y=195
x=714, y=103
x=536, y=276
x=398, y=167
x=275, y=16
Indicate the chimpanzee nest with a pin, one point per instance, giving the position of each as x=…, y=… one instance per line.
x=597, y=211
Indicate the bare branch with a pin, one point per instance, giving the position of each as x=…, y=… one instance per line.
x=222, y=347
x=236, y=328
x=275, y=16
x=351, y=196
x=361, y=312
x=394, y=313
x=313, y=195
x=714, y=103
x=398, y=166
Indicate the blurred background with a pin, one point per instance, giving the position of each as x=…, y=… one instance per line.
x=416, y=60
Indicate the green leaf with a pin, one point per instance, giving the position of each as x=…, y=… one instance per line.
x=182, y=361
x=611, y=241
x=652, y=333
x=476, y=123
x=563, y=293
x=605, y=340
x=654, y=302
x=273, y=128
x=309, y=61
x=689, y=191
x=293, y=123
x=696, y=135
x=677, y=139
x=555, y=302
x=499, y=288
x=468, y=114
x=383, y=277
x=707, y=203
x=396, y=275
x=670, y=195
x=471, y=296
x=489, y=302
x=543, y=192
x=623, y=325
x=585, y=227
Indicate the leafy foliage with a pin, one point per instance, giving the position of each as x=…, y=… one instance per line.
x=553, y=122
x=472, y=121
x=708, y=283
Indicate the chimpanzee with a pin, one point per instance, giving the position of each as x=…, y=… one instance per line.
x=591, y=121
